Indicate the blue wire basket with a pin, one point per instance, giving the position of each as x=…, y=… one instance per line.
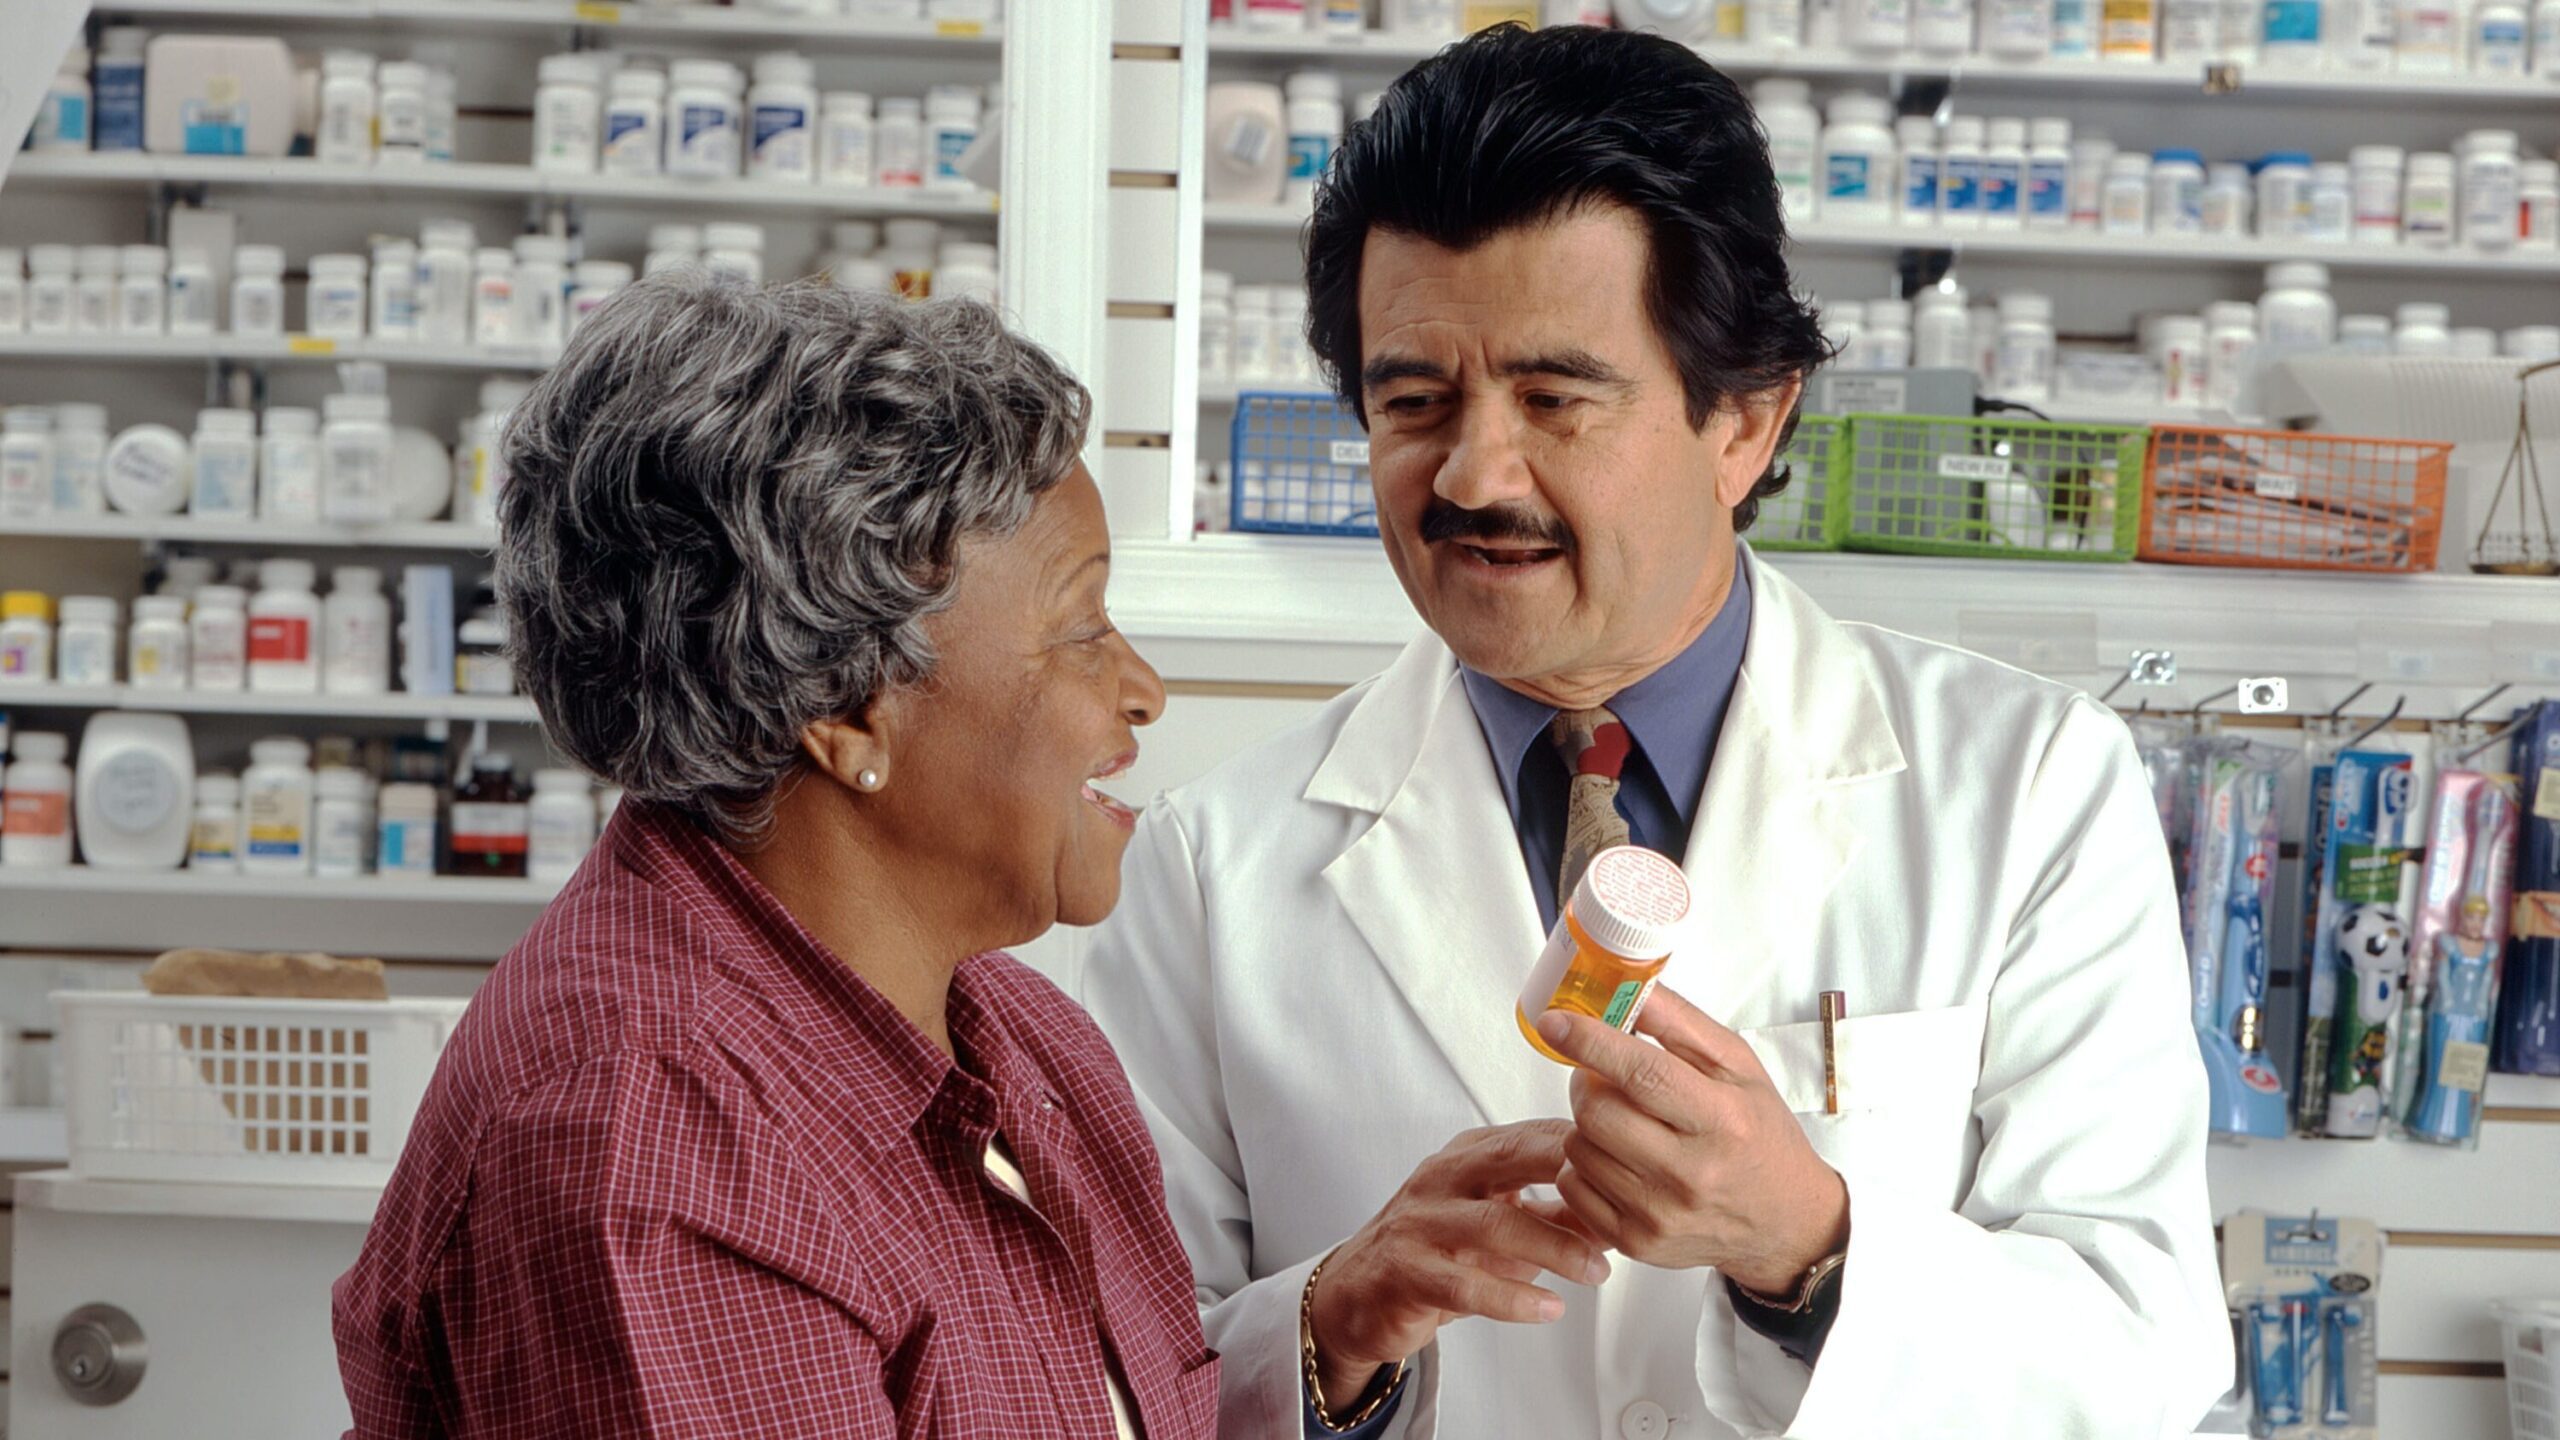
x=1301, y=467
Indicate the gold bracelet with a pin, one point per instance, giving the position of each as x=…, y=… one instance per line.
x=1307, y=1354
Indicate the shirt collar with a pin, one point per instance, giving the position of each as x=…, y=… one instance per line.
x=1667, y=712
x=769, y=949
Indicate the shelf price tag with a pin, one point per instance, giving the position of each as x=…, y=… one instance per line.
x=310, y=345
x=960, y=29
x=598, y=12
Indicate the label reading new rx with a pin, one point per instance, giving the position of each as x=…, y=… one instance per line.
x=1973, y=467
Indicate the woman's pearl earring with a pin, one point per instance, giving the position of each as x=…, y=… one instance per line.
x=868, y=780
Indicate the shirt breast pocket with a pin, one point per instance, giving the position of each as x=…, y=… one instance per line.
x=1906, y=1081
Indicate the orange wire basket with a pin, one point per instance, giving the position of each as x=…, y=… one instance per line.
x=2292, y=501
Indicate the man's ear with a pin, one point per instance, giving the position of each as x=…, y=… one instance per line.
x=1758, y=421
x=856, y=751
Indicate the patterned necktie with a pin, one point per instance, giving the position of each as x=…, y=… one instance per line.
x=1595, y=745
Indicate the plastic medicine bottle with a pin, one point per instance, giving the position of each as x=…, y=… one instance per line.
x=26, y=461
x=355, y=460
x=35, y=803
x=335, y=304
x=226, y=465
x=1795, y=142
x=952, y=115
x=284, y=630
x=1611, y=941
x=1917, y=137
x=782, y=119
x=2126, y=206
x=2004, y=174
x=218, y=639
x=257, y=291
x=1960, y=164
x=355, y=630
x=490, y=820
x=289, y=464
x=634, y=135
x=1858, y=161
x=568, y=113
x=562, y=824
x=2048, y=203
x=156, y=646
x=2296, y=310
x=897, y=144
x=346, y=109
x=276, y=802
x=341, y=823
x=844, y=139
x=2427, y=202
x=1315, y=128
x=26, y=637
x=2225, y=202
x=142, y=295
x=2024, y=370
x=2490, y=180
x=213, y=840
x=86, y=642
x=79, y=458
x=704, y=118
x=2374, y=174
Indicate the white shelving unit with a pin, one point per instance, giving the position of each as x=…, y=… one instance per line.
x=701, y=23
x=473, y=178
x=253, y=350
x=2061, y=246
x=445, y=918
x=1377, y=54
x=188, y=530
x=496, y=709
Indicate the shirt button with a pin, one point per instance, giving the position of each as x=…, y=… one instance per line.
x=1644, y=1420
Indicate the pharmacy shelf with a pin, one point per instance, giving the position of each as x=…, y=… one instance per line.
x=279, y=535
x=1832, y=237
x=444, y=918
x=706, y=23
x=1824, y=236
x=497, y=709
x=1273, y=608
x=1223, y=396
x=253, y=350
x=1383, y=55
x=505, y=181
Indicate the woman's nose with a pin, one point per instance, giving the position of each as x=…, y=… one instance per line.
x=1141, y=688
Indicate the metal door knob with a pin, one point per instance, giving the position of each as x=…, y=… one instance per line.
x=98, y=1354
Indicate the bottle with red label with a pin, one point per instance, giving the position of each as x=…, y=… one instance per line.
x=492, y=820
x=35, y=803
x=284, y=630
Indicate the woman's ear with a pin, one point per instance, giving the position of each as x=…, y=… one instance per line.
x=855, y=751
x=1758, y=420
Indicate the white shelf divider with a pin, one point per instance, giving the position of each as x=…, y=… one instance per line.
x=1832, y=237
x=31, y=1136
x=187, y=530
x=260, y=350
x=444, y=918
x=698, y=22
x=1376, y=53
x=501, y=181
x=497, y=709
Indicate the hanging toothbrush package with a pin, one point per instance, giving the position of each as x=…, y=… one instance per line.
x=2355, y=971
x=2304, y=1294
x=2441, y=1058
x=2231, y=868
x=2529, y=1002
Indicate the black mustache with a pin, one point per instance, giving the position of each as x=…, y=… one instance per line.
x=1444, y=521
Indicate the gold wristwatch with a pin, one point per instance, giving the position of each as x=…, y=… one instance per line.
x=1818, y=1275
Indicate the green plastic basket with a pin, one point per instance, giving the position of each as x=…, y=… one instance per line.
x=1812, y=513
x=1995, y=488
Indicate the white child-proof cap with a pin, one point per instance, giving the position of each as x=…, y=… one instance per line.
x=1632, y=902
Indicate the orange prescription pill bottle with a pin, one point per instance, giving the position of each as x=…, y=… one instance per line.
x=1611, y=941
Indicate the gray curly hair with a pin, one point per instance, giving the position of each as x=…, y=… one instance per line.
x=729, y=511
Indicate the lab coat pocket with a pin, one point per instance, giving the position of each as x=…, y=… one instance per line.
x=1905, y=1088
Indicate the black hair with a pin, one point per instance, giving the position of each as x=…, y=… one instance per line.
x=1511, y=128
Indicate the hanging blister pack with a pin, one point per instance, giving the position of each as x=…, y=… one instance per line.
x=2442, y=1055
x=2230, y=892
x=2359, y=946
x=2304, y=1293
x=2529, y=1004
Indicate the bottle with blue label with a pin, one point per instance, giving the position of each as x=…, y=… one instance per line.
x=1918, y=135
x=2049, y=174
x=118, y=111
x=951, y=121
x=1315, y=128
x=1858, y=161
x=62, y=119
x=1960, y=174
x=2293, y=38
x=2004, y=175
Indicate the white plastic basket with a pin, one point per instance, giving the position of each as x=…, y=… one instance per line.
x=2533, y=1365
x=274, y=1092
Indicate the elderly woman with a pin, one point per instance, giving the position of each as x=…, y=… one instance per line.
x=755, y=1134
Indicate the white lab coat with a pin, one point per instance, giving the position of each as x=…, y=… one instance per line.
x=1312, y=975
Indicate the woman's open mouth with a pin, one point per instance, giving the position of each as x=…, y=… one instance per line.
x=1120, y=813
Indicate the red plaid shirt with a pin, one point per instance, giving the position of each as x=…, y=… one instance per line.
x=680, y=1173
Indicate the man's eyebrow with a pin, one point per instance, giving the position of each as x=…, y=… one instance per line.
x=1567, y=364
x=1387, y=369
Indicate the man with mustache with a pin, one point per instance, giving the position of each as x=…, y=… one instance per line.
x=1548, y=275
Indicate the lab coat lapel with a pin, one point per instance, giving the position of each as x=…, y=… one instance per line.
x=1774, y=833
x=1435, y=885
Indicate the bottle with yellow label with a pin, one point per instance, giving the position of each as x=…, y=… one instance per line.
x=1611, y=940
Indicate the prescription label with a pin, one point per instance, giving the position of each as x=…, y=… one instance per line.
x=1624, y=1004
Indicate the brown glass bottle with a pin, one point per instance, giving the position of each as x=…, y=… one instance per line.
x=491, y=821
